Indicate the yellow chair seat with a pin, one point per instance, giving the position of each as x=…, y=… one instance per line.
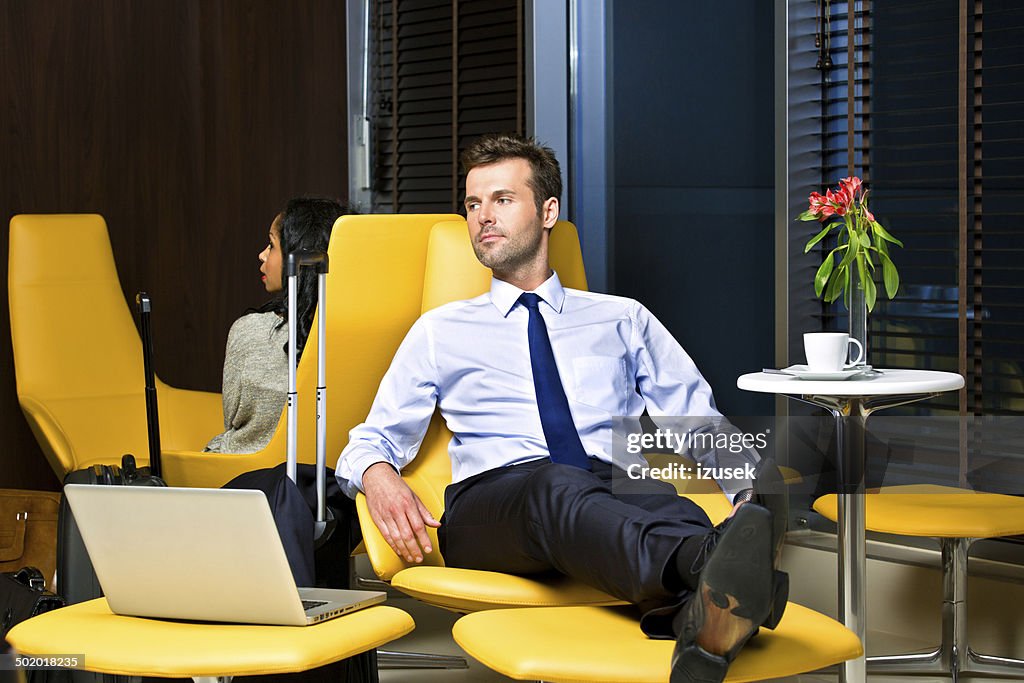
x=470, y=590
x=790, y=475
x=574, y=644
x=121, y=645
x=937, y=511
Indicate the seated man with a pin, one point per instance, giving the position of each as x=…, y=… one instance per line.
x=528, y=377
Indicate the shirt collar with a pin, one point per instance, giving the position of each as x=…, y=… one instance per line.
x=504, y=295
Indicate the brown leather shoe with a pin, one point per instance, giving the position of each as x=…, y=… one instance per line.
x=734, y=596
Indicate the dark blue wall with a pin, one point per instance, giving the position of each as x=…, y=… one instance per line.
x=692, y=128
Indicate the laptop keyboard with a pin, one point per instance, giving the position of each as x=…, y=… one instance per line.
x=310, y=604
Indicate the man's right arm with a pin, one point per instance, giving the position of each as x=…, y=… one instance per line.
x=388, y=440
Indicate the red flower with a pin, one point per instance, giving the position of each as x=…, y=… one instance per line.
x=852, y=185
x=840, y=200
x=817, y=203
x=848, y=198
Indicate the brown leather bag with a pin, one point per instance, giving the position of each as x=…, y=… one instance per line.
x=28, y=531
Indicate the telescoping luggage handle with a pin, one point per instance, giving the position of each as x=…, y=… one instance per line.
x=152, y=413
x=294, y=262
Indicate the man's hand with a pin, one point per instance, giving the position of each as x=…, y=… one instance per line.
x=398, y=513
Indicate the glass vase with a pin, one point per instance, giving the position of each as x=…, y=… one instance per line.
x=858, y=309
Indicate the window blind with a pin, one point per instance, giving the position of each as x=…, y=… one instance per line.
x=445, y=72
x=930, y=116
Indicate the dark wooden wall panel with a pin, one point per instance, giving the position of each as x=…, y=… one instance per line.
x=187, y=124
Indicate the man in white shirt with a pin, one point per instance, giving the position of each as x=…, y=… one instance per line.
x=528, y=377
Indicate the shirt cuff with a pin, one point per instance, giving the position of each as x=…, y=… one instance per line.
x=351, y=468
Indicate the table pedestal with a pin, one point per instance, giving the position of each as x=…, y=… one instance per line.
x=851, y=414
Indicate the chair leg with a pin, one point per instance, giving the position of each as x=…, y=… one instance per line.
x=390, y=659
x=945, y=659
x=962, y=659
x=954, y=603
x=954, y=656
x=996, y=666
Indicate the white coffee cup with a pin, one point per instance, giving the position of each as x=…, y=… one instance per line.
x=828, y=351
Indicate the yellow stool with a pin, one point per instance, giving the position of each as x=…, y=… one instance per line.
x=956, y=517
x=605, y=645
x=134, y=646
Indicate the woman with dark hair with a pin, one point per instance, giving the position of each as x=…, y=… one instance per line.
x=256, y=360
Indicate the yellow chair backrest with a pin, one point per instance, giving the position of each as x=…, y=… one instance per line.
x=374, y=293
x=77, y=353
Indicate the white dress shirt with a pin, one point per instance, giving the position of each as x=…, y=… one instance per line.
x=472, y=358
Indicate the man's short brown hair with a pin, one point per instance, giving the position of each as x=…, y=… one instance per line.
x=546, y=176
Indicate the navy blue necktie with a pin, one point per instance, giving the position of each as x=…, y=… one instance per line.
x=555, y=418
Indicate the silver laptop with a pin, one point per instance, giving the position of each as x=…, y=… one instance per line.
x=198, y=554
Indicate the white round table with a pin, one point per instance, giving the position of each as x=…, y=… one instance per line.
x=851, y=401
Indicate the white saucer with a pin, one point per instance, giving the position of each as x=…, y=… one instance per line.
x=803, y=372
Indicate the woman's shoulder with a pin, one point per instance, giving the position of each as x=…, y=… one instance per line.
x=257, y=326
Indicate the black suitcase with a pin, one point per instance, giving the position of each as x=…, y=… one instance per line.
x=76, y=579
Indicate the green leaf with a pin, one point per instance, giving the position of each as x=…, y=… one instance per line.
x=836, y=283
x=864, y=239
x=870, y=293
x=890, y=276
x=817, y=238
x=881, y=245
x=870, y=290
x=807, y=215
x=821, y=277
x=884, y=234
x=851, y=253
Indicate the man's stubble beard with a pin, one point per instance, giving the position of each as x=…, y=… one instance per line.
x=513, y=254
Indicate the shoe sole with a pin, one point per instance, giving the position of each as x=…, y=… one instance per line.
x=780, y=597
x=697, y=666
x=737, y=592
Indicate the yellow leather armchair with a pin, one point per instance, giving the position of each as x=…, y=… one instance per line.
x=574, y=632
x=453, y=273
x=77, y=353
x=374, y=292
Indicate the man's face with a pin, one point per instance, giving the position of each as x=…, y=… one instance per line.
x=506, y=232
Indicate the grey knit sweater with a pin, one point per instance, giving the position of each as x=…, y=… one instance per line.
x=255, y=383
